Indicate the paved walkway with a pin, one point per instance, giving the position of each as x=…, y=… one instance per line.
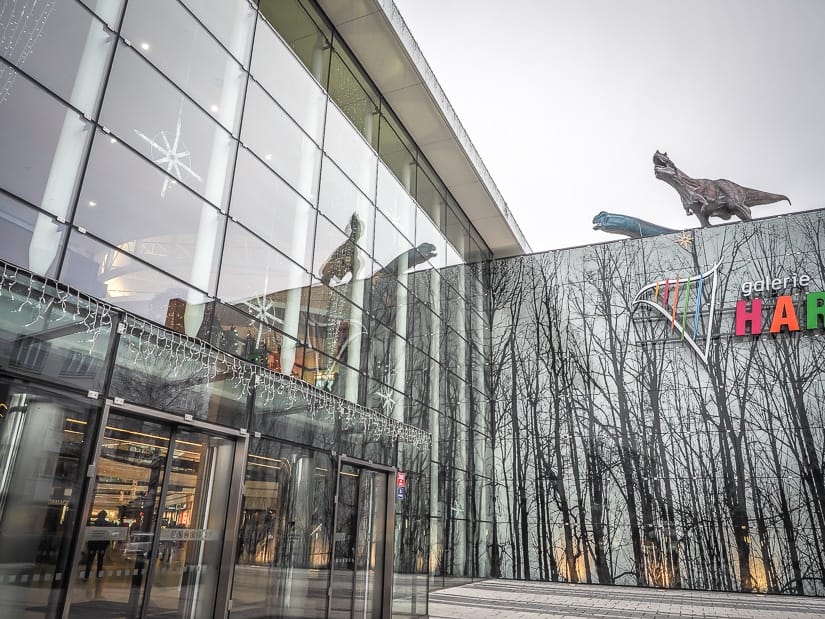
x=531, y=600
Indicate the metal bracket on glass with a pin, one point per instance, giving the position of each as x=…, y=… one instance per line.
x=81, y=229
x=60, y=220
x=257, y=435
x=121, y=328
x=119, y=401
x=188, y=417
x=92, y=395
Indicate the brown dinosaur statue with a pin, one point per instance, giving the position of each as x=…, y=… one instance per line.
x=707, y=198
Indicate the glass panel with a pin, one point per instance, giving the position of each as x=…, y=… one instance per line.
x=370, y=545
x=331, y=375
x=158, y=368
x=249, y=337
x=347, y=147
x=147, y=112
x=360, y=537
x=187, y=564
x=120, y=527
x=60, y=45
x=266, y=204
x=108, y=10
x=29, y=238
x=478, y=249
x=251, y=268
x=429, y=239
x=119, y=202
x=340, y=201
x=180, y=47
x=338, y=260
x=346, y=530
x=457, y=235
x=304, y=31
x=412, y=509
x=230, y=21
x=397, y=151
x=44, y=452
x=392, y=250
x=279, y=72
x=113, y=276
x=280, y=143
x=356, y=99
x=335, y=327
x=395, y=202
x=43, y=145
x=288, y=415
x=47, y=333
x=282, y=565
x=429, y=197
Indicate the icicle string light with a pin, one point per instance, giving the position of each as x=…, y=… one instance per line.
x=189, y=358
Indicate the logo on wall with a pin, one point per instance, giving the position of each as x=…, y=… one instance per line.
x=786, y=300
x=688, y=304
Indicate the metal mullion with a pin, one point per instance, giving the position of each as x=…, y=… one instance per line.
x=176, y=419
x=238, y=146
x=389, y=545
x=89, y=489
x=94, y=120
x=150, y=569
x=334, y=532
x=237, y=491
x=355, y=543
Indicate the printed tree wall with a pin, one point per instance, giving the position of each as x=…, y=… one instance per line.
x=620, y=456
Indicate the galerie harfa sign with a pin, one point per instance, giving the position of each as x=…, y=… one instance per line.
x=773, y=305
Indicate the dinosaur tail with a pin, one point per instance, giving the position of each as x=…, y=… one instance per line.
x=754, y=197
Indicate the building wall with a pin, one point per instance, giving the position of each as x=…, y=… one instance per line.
x=621, y=456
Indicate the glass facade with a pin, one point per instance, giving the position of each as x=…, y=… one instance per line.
x=229, y=172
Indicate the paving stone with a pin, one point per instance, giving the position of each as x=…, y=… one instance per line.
x=534, y=600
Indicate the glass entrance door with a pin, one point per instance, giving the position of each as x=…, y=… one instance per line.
x=156, y=523
x=361, y=578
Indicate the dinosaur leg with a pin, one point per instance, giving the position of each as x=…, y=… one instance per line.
x=743, y=212
x=704, y=220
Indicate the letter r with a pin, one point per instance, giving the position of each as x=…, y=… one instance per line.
x=814, y=309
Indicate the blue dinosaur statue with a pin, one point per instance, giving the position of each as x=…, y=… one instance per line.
x=632, y=227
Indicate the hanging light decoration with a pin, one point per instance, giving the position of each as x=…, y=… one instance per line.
x=192, y=358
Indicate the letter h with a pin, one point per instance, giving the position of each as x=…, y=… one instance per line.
x=752, y=316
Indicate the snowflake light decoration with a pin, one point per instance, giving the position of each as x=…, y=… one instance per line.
x=174, y=156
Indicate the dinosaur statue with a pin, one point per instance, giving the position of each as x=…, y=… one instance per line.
x=707, y=198
x=632, y=227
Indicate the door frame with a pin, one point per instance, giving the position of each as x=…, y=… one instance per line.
x=389, y=532
x=236, y=490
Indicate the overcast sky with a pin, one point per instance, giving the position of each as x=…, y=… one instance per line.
x=566, y=101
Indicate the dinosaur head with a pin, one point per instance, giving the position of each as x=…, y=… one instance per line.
x=663, y=167
x=600, y=221
x=355, y=227
x=424, y=252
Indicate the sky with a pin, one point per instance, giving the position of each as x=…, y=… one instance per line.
x=567, y=100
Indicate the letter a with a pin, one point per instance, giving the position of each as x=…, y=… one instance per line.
x=784, y=315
